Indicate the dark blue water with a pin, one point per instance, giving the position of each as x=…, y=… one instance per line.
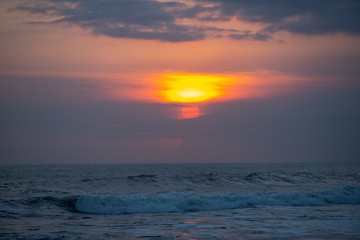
x=180, y=201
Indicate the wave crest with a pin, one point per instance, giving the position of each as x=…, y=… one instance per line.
x=180, y=202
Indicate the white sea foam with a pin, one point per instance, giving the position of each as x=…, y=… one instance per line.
x=49, y=200
x=180, y=202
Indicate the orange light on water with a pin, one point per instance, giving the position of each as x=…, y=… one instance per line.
x=189, y=88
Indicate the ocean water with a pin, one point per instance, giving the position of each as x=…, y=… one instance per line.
x=180, y=201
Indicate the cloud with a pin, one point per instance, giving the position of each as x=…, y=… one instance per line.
x=319, y=125
x=301, y=16
x=139, y=19
x=253, y=36
x=174, y=33
x=155, y=20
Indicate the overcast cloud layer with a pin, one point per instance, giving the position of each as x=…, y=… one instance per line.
x=145, y=19
x=41, y=125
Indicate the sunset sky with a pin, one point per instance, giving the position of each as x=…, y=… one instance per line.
x=171, y=81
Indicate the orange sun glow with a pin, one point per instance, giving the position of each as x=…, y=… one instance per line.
x=191, y=88
x=191, y=111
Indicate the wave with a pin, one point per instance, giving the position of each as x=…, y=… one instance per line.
x=143, y=178
x=256, y=178
x=175, y=202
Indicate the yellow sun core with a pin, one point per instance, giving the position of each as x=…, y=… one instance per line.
x=191, y=93
x=188, y=88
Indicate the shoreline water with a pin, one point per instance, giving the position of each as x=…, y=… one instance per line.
x=182, y=201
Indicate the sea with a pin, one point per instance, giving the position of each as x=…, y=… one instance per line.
x=180, y=201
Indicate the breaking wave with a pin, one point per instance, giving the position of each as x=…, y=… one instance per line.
x=174, y=202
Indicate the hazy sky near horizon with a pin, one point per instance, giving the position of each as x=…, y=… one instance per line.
x=85, y=81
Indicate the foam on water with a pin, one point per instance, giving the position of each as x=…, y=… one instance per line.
x=252, y=201
x=180, y=202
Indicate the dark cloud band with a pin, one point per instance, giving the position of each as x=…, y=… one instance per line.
x=150, y=19
x=306, y=17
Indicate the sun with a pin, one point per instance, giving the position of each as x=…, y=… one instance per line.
x=191, y=88
x=189, y=111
